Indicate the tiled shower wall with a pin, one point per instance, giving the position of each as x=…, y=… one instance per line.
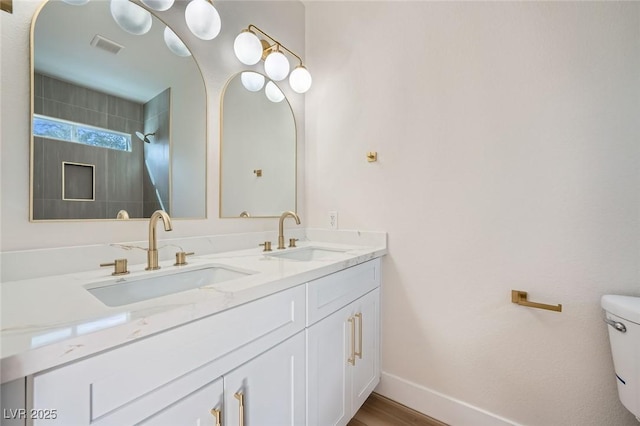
x=156, y=192
x=118, y=174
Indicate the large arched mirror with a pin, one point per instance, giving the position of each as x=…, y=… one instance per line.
x=258, y=149
x=119, y=120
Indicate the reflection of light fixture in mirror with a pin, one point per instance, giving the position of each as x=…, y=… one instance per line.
x=247, y=46
x=144, y=136
x=76, y=2
x=159, y=5
x=130, y=17
x=202, y=19
x=273, y=92
x=174, y=43
x=252, y=81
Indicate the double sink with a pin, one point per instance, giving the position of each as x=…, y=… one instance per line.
x=126, y=290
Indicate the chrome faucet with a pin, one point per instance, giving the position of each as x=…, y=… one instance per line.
x=152, y=251
x=281, y=227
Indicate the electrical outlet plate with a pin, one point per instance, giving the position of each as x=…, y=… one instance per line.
x=333, y=220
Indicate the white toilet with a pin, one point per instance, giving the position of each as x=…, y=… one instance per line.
x=622, y=313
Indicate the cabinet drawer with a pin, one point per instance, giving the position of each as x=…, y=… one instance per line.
x=195, y=409
x=328, y=294
x=130, y=383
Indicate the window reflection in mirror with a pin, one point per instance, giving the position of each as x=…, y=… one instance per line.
x=103, y=85
x=258, y=149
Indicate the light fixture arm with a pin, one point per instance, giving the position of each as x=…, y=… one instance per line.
x=275, y=42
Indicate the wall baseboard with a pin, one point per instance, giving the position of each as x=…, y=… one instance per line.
x=434, y=404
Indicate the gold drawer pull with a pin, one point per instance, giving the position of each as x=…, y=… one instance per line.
x=359, y=352
x=352, y=357
x=216, y=413
x=240, y=397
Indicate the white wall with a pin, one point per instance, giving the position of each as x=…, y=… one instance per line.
x=283, y=20
x=508, y=139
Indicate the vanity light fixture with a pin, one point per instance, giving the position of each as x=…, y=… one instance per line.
x=174, y=43
x=203, y=19
x=131, y=17
x=249, y=49
x=276, y=65
x=273, y=92
x=159, y=5
x=76, y=2
x=252, y=81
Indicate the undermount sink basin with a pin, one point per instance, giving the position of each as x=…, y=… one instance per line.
x=309, y=253
x=125, y=290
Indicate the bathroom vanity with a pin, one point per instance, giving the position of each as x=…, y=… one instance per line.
x=295, y=341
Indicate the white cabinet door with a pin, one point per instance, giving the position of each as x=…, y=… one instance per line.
x=197, y=409
x=366, y=372
x=328, y=370
x=14, y=403
x=343, y=359
x=269, y=390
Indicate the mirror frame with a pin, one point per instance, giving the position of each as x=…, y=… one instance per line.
x=31, y=137
x=295, y=134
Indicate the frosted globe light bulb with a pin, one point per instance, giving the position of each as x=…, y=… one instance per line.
x=248, y=48
x=273, y=92
x=76, y=2
x=276, y=66
x=174, y=43
x=159, y=5
x=252, y=81
x=130, y=17
x=300, y=79
x=202, y=19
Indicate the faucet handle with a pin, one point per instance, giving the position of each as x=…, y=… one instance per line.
x=181, y=258
x=267, y=246
x=292, y=242
x=120, y=266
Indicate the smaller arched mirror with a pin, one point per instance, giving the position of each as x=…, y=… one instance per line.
x=258, y=149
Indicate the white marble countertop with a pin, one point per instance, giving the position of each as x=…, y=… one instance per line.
x=49, y=321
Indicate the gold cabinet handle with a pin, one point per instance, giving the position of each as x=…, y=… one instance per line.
x=216, y=413
x=359, y=352
x=352, y=357
x=240, y=397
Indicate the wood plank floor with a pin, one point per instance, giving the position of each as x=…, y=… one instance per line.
x=380, y=411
